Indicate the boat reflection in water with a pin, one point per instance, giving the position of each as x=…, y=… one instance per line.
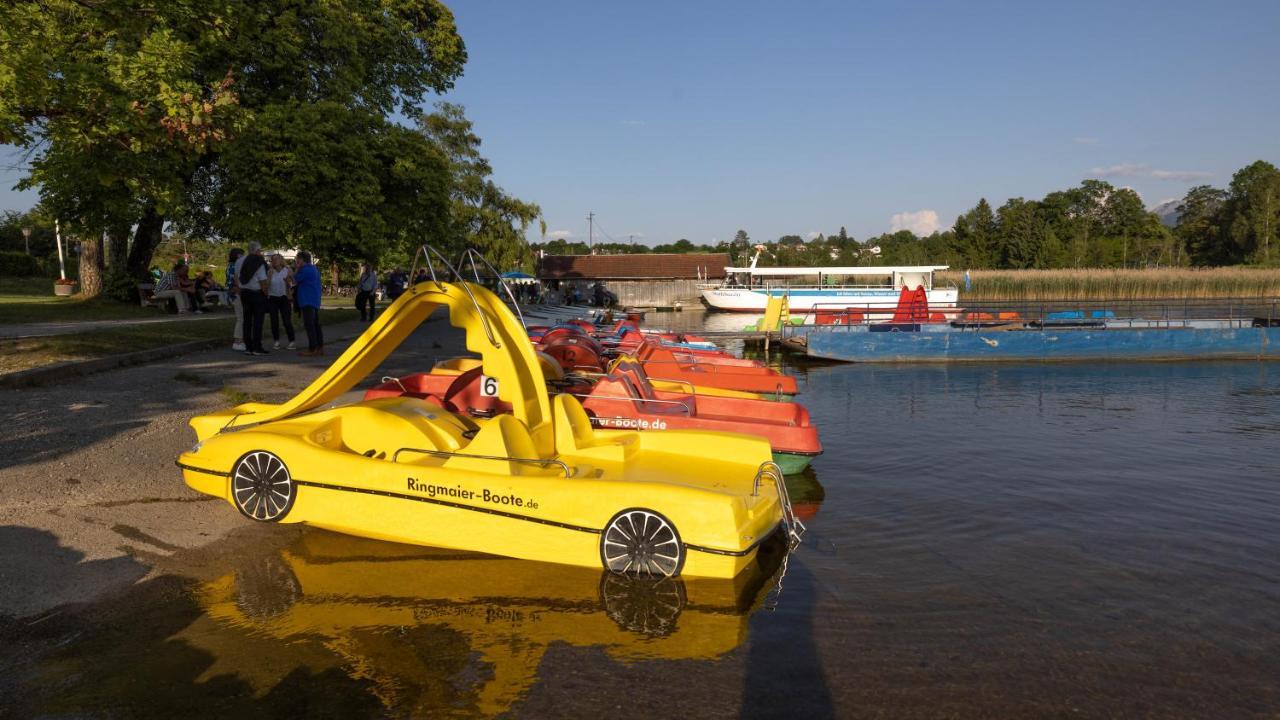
x=430, y=629
x=806, y=493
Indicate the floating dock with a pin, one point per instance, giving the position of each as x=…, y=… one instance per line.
x=1005, y=332
x=860, y=344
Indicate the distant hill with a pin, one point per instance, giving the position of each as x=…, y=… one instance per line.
x=1168, y=212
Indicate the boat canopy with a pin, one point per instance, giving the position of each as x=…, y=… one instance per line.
x=852, y=270
x=902, y=275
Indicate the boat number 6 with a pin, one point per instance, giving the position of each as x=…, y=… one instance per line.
x=488, y=386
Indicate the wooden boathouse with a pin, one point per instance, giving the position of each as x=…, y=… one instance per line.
x=643, y=280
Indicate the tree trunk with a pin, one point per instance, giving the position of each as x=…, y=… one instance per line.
x=145, y=241
x=118, y=249
x=91, y=266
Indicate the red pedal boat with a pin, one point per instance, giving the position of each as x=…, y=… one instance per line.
x=625, y=399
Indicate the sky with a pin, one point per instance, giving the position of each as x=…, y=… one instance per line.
x=694, y=119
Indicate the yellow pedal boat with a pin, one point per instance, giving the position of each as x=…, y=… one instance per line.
x=540, y=484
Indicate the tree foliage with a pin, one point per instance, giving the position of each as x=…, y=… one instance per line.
x=480, y=213
x=132, y=110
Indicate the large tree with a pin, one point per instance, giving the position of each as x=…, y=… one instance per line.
x=127, y=107
x=1254, y=207
x=345, y=183
x=975, y=236
x=481, y=214
x=1200, y=225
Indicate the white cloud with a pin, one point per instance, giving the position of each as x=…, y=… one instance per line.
x=813, y=234
x=1085, y=140
x=1140, y=170
x=559, y=234
x=920, y=222
x=1121, y=170
x=1183, y=175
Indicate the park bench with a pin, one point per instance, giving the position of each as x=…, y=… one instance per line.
x=147, y=296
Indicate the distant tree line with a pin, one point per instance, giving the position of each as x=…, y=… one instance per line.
x=1093, y=225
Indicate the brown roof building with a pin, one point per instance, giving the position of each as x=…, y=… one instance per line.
x=666, y=266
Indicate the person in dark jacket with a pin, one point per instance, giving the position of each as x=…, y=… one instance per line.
x=307, y=293
x=254, y=283
x=395, y=284
x=367, y=291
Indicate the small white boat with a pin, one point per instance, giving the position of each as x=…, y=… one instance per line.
x=814, y=289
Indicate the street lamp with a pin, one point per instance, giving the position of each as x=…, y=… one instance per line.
x=26, y=237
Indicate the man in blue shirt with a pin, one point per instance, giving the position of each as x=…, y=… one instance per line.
x=307, y=293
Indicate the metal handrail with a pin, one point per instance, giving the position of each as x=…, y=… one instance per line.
x=395, y=457
x=693, y=389
x=687, y=411
x=795, y=528
x=472, y=254
x=427, y=251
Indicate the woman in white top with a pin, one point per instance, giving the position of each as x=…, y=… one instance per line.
x=280, y=285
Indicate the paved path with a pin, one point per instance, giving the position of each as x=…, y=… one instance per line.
x=68, y=327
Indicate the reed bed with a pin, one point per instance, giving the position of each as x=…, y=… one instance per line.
x=1113, y=284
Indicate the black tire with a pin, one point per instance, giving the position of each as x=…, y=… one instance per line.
x=261, y=487
x=643, y=542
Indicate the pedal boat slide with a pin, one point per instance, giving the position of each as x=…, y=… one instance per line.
x=538, y=484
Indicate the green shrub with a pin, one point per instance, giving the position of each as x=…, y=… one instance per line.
x=121, y=286
x=18, y=264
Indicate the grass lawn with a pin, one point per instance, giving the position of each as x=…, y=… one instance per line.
x=31, y=300
x=35, y=352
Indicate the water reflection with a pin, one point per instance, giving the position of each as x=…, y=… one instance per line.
x=429, y=629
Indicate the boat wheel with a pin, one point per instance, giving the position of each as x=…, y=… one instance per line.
x=261, y=486
x=643, y=542
x=646, y=605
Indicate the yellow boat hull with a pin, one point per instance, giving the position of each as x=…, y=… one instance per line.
x=540, y=484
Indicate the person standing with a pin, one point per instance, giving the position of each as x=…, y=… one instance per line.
x=366, y=291
x=306, y=282
x=396, y=281
x=279, y=283
x=254, y=284
x=232, y=285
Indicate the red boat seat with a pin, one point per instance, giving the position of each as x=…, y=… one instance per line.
x=637, y=383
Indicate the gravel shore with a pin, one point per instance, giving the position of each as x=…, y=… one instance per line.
x=90, y=500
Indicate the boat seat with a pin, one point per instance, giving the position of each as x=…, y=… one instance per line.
x=637, y=383
x=502, y=437
x=576, y=436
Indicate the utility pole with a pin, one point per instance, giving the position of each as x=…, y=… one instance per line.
x=591, y=231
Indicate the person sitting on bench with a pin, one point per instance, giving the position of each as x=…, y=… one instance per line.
x=167, y=288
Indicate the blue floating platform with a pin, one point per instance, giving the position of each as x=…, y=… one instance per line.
x=942, y=343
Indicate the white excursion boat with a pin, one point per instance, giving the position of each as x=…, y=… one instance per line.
x=811, y=289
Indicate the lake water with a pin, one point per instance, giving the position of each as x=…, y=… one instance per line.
x=984, y=541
